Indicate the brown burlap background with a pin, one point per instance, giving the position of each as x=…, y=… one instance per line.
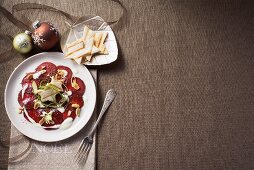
x=184, y=78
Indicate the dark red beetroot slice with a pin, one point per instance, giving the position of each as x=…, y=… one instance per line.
x=69, y=73
x=82, y=86
x=20, y=98
x=28, y=100
x=72, y=114
x=43, y=80
x=76, y=98
x=49, y=67
x=35, y=114
x=29, y=88
x=57, y=117
x=28, y=78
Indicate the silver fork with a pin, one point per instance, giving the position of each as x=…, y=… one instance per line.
x=87, y=142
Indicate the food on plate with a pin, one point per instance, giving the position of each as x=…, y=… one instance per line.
x=51, y=96
x=91, y=43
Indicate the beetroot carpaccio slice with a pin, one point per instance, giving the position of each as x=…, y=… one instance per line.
x=76, y=98
x=20, y=98
x=57, y=118
x=69, y=112
x=68, y=77
x=35, y=114
x=28, y=87
x=81, y=84
x=28, y=78
x=49, y=67
x=29, y=100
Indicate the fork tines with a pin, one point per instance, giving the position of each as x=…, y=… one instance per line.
x=83, y=150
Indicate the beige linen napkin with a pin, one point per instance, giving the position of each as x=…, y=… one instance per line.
x=46, y=156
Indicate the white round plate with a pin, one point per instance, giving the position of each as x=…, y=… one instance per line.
x=14, y=86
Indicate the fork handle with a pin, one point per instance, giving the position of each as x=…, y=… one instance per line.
x=110, y=96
